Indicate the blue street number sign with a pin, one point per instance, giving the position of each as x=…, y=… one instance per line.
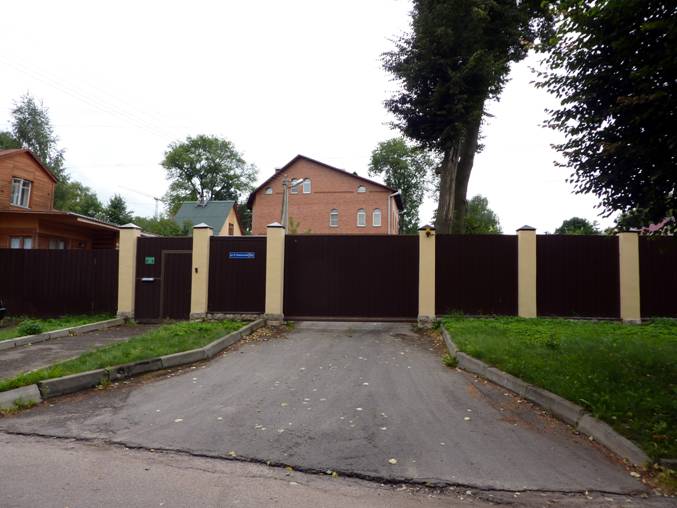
x=242, y=255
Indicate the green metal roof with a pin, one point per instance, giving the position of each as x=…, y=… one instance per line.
x=214, y=213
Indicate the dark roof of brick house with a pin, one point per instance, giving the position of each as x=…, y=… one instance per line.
x=250, y=200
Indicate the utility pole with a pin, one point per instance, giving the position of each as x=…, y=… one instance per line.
x=286, y=185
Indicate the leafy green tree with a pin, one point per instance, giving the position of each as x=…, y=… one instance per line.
x=162, y=226
x=81, y=199
x=612, y=64
x=206, y=168
x=456, y=57
x=8, y=141
x=578, y=226
x=32, y=129
x=116, y=211
x=405, y=168
x=480, y=219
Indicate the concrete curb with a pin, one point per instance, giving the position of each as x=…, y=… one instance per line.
x=559, y=407
x=24, y=394
x=55, y=334
x=84, y=380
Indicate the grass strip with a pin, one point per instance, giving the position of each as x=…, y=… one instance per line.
x=165, y=340
x=47, y=325
x=623, y=374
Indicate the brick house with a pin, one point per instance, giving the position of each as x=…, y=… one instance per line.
x=28, y=219
x=329, y=201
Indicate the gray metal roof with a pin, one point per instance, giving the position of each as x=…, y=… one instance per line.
x=214, y=213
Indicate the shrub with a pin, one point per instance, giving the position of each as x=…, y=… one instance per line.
x=449, y=361
x=30, y=327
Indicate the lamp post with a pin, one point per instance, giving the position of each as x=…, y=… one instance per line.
x=286, y=185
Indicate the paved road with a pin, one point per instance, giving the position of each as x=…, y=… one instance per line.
x=345, y=397
x=53, y=473
x=30, y=357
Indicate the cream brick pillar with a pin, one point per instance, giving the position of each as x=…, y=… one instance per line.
x=628, y=263
x=129, y=234
x=275, y=238
x=526, y=272
x=199, y=287
x=426, y=276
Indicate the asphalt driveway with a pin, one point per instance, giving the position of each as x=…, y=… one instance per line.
x=365, y=399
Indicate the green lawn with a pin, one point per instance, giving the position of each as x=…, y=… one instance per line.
x=165, y=340
x=624, y=374
x=47, y=325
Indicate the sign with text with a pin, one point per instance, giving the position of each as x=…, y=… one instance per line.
x=242, y=255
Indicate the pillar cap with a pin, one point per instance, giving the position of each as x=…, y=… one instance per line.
x=202, y=225
x=275, y=225
x=630, y=230
x=427, y=227
x=130, y=226
x=526, y=228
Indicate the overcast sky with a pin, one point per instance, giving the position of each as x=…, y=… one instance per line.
x=123, y=79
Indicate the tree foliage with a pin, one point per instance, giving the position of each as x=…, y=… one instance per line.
x=613, y=67
x=163, y=226
x=578, y=226
x=407, y=169
x=206, y=168
x=456, y=57
x=116, y=211
x=481, y=219
x=78, y=198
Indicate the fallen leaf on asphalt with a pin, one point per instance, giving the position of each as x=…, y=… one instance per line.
x=232, y=453
x=392, y=461
x=384, y=428
x=219, y=417
x=284, y=404
x=466, y=418
x=365, y=384
x=178, y=420
x=358, y=409
x=634, y=474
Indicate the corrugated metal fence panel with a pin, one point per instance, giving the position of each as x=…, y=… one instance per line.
x=237, y=285
x=58, y=282
x=476, y=274
x=658, y=276
x=577, y=276
x=148, y=298
x=356, y=276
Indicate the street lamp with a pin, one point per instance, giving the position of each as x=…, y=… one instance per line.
x=286, y=185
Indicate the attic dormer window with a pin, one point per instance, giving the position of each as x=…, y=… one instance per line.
x=361, y=188
x=21, y=192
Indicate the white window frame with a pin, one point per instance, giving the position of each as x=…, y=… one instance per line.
x=269, y=190
x=361, y=188
x=334, y=214
x=361, y=217
x=374, y=214
x=307, y=189
x=21, y=188
x=294, y=188
x=24, y=242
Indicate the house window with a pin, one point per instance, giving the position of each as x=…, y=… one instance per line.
x=376, y=218
x=57, y=244
x=269, y=190
x=21, y=242
x=306, y=186
x=294, y=188
x=361, y=188
x=21, y=192
x=361, y=218
x=333, y=218
x=231, y=229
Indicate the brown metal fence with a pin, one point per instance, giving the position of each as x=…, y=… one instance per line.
x=577, y=276
x=658, y=276
x=360, y=276
x=237, y=274
x=57, y=282
x=476, y=274
x=163, y=278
